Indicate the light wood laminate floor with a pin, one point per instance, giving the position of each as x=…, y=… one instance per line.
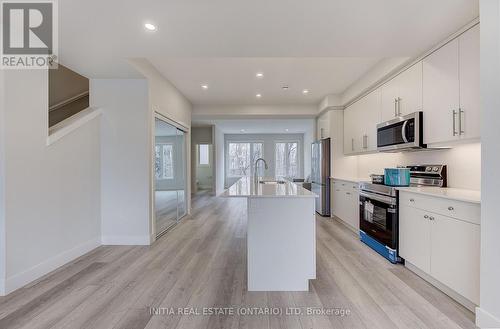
x=201, y=263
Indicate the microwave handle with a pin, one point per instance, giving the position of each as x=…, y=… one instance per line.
x=403, y=131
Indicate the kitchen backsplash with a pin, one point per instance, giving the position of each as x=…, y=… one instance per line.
x=463, y=161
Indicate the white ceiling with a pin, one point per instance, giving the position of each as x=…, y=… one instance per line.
x=259, y=126
x=195, y=40
x=233, y=81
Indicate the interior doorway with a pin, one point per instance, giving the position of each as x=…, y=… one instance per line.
x=204, y=167
x=169, y=175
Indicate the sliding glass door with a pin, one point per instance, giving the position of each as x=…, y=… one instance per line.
x=170, y=175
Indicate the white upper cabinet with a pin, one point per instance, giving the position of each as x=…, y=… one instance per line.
x=323, y=126
x=469, y=84
x=444, y=85
x=351, y=129
x=389, y=93
x=441, y=94
x=360, y=124
x=403, y=94
x=410, y=90
x=369, y=117
x=451, y=90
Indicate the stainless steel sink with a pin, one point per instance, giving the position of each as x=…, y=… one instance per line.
x=272, y=182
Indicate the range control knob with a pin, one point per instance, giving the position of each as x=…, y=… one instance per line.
x=435, y=169
x=428, y=169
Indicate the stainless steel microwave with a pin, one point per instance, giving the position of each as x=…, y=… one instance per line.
x=401, y=134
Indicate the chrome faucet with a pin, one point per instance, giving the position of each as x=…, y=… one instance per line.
x=256, y=177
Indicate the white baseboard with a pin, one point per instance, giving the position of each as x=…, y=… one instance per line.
x=471, y=306
x=485, y=319
x=119, y=240
x=21, y=279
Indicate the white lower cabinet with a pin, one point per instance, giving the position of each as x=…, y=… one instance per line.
x=415, y=237
x=345, y=202
x=445, y=248
x=455, y=255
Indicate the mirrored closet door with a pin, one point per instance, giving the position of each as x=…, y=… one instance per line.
x=169, y=175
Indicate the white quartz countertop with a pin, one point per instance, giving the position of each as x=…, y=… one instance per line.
x=471, y=196
x=245, y=187
x=352, y=179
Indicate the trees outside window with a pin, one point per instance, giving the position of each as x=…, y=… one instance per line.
x=286, y=159
x=241, y=158
x=164, y=164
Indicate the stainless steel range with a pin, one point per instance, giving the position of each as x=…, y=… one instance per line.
x=378, y=209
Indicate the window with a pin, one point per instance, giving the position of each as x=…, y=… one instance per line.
x=164, y=164
x=286, y=159
x=241, y=158
x=203, y=155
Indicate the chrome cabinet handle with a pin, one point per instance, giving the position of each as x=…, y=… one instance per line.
x=450, y=208
x=348, y=193
x=460, y=113
x=352, y=144
x=399, y=106
x=365, y=141
x=395, y=107
x=454, y=123
x=412, y=200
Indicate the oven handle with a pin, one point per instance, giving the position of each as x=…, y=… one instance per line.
x=382, y=198
x=403, y=131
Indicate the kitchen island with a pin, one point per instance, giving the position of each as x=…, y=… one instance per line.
x=281, y=234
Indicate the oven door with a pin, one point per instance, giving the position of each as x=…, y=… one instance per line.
x=378, y=217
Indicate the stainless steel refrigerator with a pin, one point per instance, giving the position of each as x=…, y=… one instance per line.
x=320, y=175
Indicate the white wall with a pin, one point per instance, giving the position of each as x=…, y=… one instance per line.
x=166, y=99
x=125, y=159
x=254, y=111
x=488, y=315
x=463, y=163
x=52, y=193
x=2, y=185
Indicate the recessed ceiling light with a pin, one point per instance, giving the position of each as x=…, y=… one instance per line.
x=259, y=75
x=150, y=27
x=286, y=130
x=258, y=95
x=204, y=87
x=305, y=91
x=242, y=130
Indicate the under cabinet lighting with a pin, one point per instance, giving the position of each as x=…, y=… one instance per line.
x=258, y=95
x=305, y=91
x=205, y=87
x=259, y=75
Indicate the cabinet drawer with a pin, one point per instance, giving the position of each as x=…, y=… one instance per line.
x=345, y=185
x=469, y=212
